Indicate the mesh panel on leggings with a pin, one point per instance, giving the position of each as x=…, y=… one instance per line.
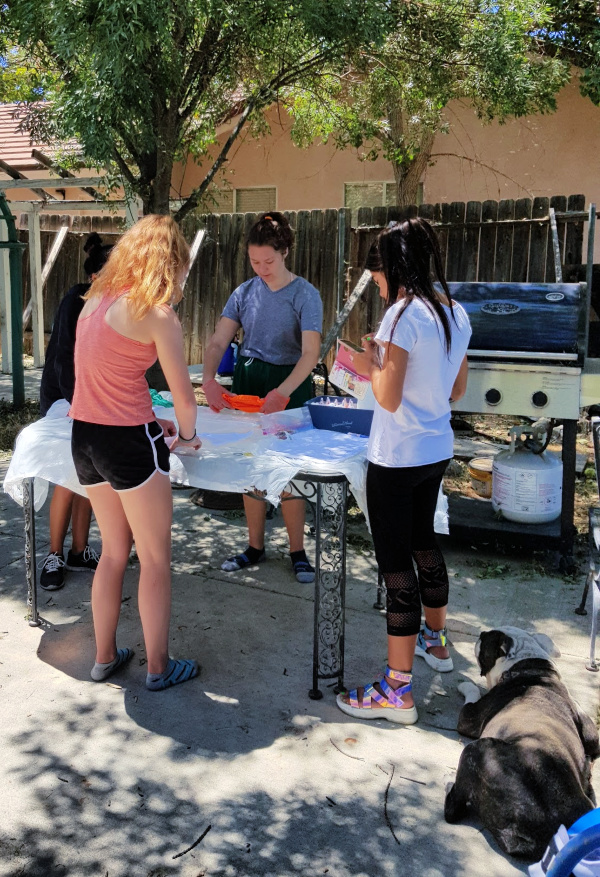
x=403, y=603
x=433, y=578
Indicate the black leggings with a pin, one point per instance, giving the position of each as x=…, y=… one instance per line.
x=401, y=504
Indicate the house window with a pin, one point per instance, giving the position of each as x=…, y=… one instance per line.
x=255, y=200
x=221, y=200
x=376, y=194
x=363, y=195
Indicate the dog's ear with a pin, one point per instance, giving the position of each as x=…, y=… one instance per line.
x=544, y=641
x=494, y=644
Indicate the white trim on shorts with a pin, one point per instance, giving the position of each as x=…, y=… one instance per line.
x=156, y=466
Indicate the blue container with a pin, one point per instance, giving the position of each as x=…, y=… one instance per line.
x=227, y=364
x=330, y=412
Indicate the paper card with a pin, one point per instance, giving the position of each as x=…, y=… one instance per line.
x=349, y=381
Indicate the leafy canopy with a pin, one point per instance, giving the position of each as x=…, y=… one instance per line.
x=492, y=54
x=142, y=83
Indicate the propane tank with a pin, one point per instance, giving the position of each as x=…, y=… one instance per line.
x=526, y=482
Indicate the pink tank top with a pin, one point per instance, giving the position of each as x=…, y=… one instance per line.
x=110, y=383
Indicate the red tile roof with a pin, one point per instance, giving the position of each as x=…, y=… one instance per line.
x=16, y=144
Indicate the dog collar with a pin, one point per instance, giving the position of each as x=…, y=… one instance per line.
x=527, y=667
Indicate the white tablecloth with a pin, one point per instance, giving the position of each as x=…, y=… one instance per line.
x=240, y=452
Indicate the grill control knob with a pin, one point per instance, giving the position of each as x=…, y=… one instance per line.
x=539, y=399
x=493, y=396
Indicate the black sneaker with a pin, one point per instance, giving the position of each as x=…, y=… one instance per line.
x=86, y=561
x=52, y=577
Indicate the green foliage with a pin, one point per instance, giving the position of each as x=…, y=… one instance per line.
x=143, y=84
x=488, y=53
x=575, y=33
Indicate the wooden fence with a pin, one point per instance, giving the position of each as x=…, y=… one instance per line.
x=486, y=241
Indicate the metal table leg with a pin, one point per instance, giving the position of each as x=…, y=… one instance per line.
x=30, y=565
x=381, y=592
x=329, y=496
x=567, y=528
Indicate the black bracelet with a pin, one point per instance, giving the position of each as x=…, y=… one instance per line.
x=184, y=440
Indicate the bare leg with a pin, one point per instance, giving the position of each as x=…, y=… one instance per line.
x=81, y=517
x=107, y=586
x=60, y=516
x=435, y=619
x=149, y=510
x=256, y=512
x=401, y=651
x=293, y=512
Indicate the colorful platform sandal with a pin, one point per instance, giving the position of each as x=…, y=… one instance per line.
x=429, y=639
x=390, y=705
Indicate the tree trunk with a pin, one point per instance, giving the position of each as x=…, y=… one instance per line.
x=406, y=135
x=159, y=188
x=408, y=174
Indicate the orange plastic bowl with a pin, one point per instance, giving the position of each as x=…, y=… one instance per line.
x=249, y=404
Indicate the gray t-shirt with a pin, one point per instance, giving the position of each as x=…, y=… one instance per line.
x=273, y=322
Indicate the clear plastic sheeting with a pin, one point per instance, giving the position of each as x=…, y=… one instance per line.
x=240, y=453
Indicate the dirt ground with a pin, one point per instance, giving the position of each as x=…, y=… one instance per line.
x=496, y=429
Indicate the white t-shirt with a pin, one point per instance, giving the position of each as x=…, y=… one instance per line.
x=419, y=432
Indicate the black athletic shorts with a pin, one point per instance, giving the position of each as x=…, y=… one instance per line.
x=123, y=456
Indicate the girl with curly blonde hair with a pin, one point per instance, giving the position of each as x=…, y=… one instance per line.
x=118, y=447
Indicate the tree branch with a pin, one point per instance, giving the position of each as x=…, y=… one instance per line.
x=124, y=168
x=261, y=99
x=196, y=196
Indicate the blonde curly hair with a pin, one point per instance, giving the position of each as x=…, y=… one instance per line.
x=149, y=260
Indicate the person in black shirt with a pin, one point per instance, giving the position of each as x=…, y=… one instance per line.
x=58, y=382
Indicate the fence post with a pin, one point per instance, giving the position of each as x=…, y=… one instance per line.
x=5, y=318
x=35, y=279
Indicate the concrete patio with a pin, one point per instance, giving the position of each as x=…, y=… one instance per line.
x=110, y=780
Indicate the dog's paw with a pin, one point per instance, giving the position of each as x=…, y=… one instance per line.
x=470, y=691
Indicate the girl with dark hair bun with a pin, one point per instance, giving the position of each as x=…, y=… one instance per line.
x=281, y=316
x=418, y=365
x=58, y=382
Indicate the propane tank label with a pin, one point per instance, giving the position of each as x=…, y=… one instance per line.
x=525, y=491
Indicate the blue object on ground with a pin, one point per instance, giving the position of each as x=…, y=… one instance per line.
x=340, y=414
x=580, y=846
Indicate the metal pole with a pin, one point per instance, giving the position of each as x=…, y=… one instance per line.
x=589, y=273
x=16, y=299
x=30, y=561
x=556, y=246
x=340, y=264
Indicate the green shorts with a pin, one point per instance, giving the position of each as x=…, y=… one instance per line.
x=253, y=377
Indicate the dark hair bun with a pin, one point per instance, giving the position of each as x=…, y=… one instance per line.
x=271, y=230
x=98, y=254
x=93, y=240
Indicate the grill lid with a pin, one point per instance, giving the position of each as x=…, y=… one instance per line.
x=543, y=321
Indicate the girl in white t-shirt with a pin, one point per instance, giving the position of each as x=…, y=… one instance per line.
x=418, y=365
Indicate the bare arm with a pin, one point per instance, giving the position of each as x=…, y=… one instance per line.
x=166, y=333
x=311, y=349
x=388, y=379
x=460, y=384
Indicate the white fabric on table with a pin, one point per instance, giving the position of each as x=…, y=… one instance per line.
x=240, y=453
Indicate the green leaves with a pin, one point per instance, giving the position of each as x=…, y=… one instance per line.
x=140, y=83
x=491, y=53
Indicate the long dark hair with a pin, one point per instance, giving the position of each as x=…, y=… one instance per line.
x=271, y=230
x=405, y=253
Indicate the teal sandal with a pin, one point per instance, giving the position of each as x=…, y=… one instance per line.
x=429, y=639
x=390, y=704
